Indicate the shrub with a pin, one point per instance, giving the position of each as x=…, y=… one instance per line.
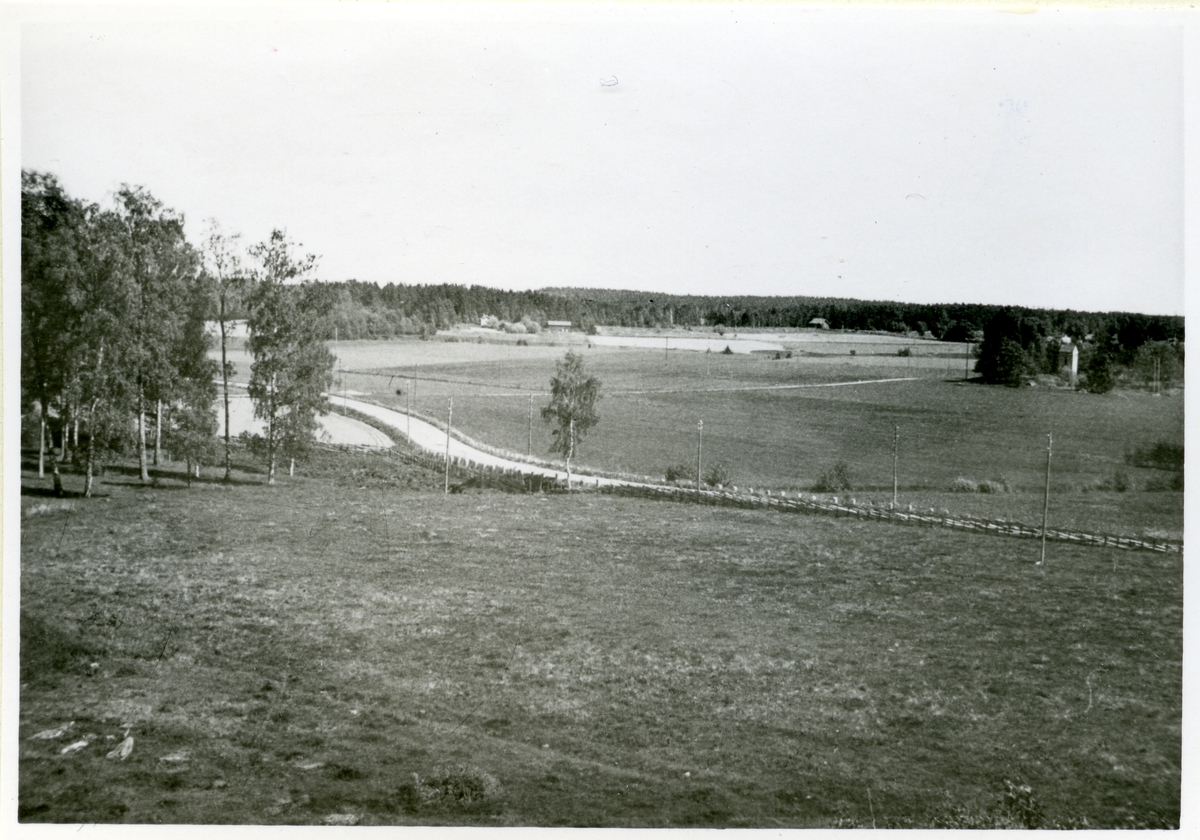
x=1020, y=804
x=964, y=485
x=681, y=472
x=531, y=326
x=904, y=351
x=835, y=479
x=1099, y=374
x=718, y=473
x=461, y=786
x=997, y=486
x=1161, y=484
x=1160, y=455
x=513, y=328
x=727, y=351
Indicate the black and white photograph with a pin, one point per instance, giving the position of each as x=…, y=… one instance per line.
x=594, y=415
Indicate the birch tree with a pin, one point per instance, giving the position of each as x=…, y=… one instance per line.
x=223, y=265
x=53, y=234
x=159, y=263
x=292, y=367
x=572, y=407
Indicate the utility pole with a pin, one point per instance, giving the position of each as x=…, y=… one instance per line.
x=408, y=412
x=1046, y=508
x=529, y=452
x=667, y=349
x=699, y=450
x=895, y=465
x=449, y=420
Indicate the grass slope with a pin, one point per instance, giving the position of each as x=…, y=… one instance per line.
x=344, y=648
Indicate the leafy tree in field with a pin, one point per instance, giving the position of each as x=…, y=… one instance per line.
x=53, y=236
x=1158, y=359
x=1009, y=365
x=101, y=384
x=192, y=431
x=1002, y=356
x=292, y=367
x=572, y=408
x=223, y=268
x=160, y=265
x=192, y=427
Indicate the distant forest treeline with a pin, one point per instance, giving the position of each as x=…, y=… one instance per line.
x=365, y=310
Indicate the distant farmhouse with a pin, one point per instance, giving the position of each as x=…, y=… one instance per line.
x=558, y=325
x=819, y=323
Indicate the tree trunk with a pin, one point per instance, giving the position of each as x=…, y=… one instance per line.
x=66, y=434
x=143, y=467
x=58, y=488
x=42, y=441
x=225, y=383
x=189, y=471
x=570, y=451
x=271, y=445
x=91, y=460
x=157, y=432
x=291, y=467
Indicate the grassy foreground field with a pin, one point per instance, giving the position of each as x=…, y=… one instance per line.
x=352, y=647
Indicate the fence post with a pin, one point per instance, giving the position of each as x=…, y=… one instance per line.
x=895, y=464
x=449, y=420
x=1046, y=506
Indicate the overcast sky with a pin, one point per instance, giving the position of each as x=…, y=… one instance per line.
x=983, y=157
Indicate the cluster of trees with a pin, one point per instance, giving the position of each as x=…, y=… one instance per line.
x=1136, y=349
x=113, y=333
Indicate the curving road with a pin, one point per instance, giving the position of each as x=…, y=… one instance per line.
x=334, y=428
x=430, y=437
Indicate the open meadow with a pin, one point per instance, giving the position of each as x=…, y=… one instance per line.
x=352, y=646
